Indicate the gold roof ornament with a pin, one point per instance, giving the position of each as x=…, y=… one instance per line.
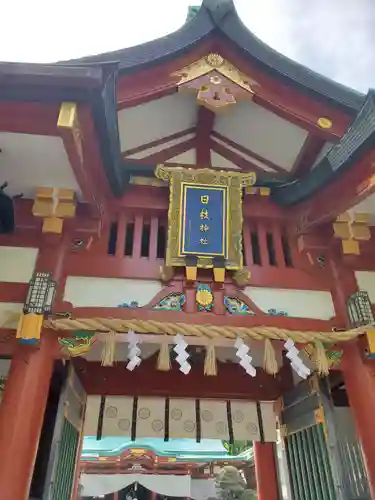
x=217, y=83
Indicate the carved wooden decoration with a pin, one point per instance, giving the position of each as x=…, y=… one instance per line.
x=217, y=83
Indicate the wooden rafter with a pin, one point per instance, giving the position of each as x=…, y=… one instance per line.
x=235, y=158
x=247, y=152
x=307, y=155
x=165, y=154
x=157, y=142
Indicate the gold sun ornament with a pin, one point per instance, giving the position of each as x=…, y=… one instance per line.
x=204, y=298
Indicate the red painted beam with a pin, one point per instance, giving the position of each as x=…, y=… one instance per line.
x=102, y=266
x=235, y=321
x=157, y=82
x=28, y=227
x=262, y=207
x=145, y=198
x=231, y=381
x=29, y=118
x=96, y=181
x=41, y=119
x=346, y=191
x=13, y=292
x=205, y=124
x=8, y=343
x=307, y=155
x=81, y=171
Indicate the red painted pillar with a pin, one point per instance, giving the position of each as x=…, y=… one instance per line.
x=359, y=379
x=25, y=395
x=265, y=471
x=21, y=416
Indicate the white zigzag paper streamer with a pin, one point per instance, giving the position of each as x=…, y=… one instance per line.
x=296, y=362
x=182, y=355
x=133, y=351
x=245, y=359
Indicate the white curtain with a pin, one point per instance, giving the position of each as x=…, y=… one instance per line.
x=103, y=484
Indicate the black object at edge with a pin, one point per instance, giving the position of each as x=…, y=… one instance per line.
x=230, y=422
x=198, y=420
x=260, y=422
x=134, y=419
x=100, y=419
x=166, y=420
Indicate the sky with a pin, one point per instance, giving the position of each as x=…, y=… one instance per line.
x=333, y=37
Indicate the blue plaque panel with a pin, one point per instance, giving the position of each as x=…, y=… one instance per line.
x=204, y=221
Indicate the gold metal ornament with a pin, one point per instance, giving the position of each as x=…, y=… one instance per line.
x=324, y=123
x=217, y=83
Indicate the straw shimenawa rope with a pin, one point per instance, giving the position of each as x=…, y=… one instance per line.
x=109, y=349
x=202, y=331
x=320, y=359
x=164, y=357
x=210, y=365
x=270, y=363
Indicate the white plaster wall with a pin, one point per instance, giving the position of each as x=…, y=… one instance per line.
x=17, y=264
x=366, y=283
x=9, y=314
x=297, y=303
x=109, y=292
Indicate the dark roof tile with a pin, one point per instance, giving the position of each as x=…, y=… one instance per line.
x=220, y=17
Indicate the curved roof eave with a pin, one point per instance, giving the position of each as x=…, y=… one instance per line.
x=359, y=138
x=220, y=16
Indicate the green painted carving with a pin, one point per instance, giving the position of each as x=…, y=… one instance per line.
x=171, y=302
x=234, y=305
x=79, y=343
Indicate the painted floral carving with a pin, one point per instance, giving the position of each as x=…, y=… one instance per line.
x=171, y=302
x=204, y=298
x=234, y=305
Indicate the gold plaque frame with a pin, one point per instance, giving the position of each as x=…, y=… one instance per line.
x=233, y=181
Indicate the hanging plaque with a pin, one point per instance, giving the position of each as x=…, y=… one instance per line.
x=205, y=215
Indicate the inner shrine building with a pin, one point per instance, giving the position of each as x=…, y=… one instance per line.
x=186, y=252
